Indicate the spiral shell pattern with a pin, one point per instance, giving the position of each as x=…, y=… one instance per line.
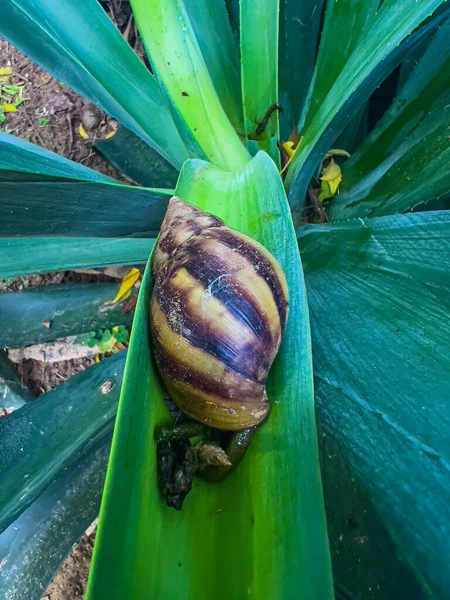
x=218, y=312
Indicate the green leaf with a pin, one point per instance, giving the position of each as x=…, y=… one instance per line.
x=404, y=161
x=141, y=543
x=259, y=67
x=38, y=541
x=346, y=23
x=39, y=440
x=106, y=71
x=365, y=560
x=74, y=208
x=177, y=59
x=221, y=54
x=19, y=158
x=299, y=32
x=373, y=58
x=13, y=393
x=135, y=159
x=69, y=309
x=378, y=297
x=59, y=254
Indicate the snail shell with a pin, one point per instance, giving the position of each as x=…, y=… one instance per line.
x=218, y=311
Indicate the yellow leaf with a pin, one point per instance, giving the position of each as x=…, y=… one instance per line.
x=335, y=152
x=5, y=71
x=96, y=358
x=291, y=152
x=330, y=179
x=288, y=148
x=82, y=132
x=127, y=283
x=110, y=135
x=9, y=107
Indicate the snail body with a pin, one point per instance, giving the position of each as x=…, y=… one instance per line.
x=218, y=312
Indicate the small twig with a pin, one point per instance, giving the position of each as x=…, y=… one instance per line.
x=318, y=208
x=263, y=123
x=86, y=158
x=126, y=33
x=114, y=10
x=69, y=121
x=30, y=121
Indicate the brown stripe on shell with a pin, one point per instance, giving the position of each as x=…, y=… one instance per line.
x=250, y=249
x=239, y=348
x=181, y=222
x=219, y=278
x=232, y=387
x=190, y=356
x=215, y=411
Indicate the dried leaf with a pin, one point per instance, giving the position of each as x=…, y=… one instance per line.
x=330, y=179
x=127, y=283
x=82, y=132
x=336, y=152
x=8, y=107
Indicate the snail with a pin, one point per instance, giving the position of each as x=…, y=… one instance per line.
x=218, y=311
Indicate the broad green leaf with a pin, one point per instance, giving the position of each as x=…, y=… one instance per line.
x=77, y=43
x=13, y=393
x=345, y=25
x=364, y=558
x=404, y=160
x=220, y=52
x=176, y=57
x=39, y=440
x=272, y=502
x=59, y=254
x=74, y=208
x=19, y=159
x=135, y=159
x=259, y=68
x=43, y=314
x=299, y=32
x=378, y=297
x=37, y=542
x=373, y=58
x=352, y=106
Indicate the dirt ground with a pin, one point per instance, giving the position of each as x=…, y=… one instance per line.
x=50, y=116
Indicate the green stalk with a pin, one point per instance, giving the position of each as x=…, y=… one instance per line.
x=177, y=59
x=259, y=69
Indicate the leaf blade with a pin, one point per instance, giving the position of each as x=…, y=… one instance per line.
x=72, y=417
x=390, y=274
x=19, y=156
x=43, y=535
x=169, y=37
x=259, y=68
x=135, y=159
x=69, y=309
x=59, y=254
x=208, y=511
x=85, y=209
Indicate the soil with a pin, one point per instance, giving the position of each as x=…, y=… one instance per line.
x=51, y=114
x=70, y=582
x=51, y=117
